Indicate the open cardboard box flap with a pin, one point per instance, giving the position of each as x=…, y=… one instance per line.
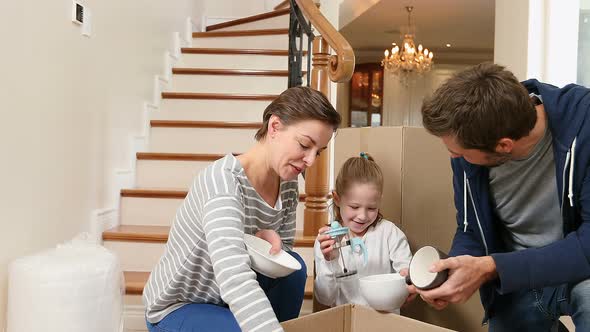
x=355, y=318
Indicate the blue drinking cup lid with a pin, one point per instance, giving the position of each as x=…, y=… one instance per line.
x=336, y=229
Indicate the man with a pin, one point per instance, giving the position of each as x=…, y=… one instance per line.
x=520, y=159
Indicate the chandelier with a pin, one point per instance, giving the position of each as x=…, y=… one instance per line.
x=407, y=60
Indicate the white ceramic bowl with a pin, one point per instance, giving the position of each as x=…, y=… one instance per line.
x=272, y=266
x=420, y=264
x=384, y=292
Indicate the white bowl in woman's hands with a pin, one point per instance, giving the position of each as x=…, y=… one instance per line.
x=272, y=266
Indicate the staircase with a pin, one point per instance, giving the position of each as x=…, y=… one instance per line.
x=213, y=106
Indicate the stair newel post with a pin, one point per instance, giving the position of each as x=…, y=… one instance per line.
x=317, y=177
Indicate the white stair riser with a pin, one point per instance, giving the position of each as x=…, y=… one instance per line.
x=175, y=173
x=228, y=84
x=235, y=61
x=148, y=211
x=278, y=22
x=273, y=42
x=306, y=308
x=167, y=173
x=161, y=211
x=211, y=110
x=134, y=314
x=201, y=140
x=143, y=256
x=136, y=256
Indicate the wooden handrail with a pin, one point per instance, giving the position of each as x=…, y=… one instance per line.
x=341, y=66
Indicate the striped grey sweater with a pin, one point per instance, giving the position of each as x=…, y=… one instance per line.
x=206, y=261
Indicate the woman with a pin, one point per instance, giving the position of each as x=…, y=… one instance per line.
x=204, y=281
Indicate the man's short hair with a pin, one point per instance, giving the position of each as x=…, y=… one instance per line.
x=479, y=106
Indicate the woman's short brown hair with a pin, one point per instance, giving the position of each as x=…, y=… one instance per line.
x=299, y=104
x=479, y=106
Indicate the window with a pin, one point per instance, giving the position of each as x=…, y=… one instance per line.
x=584, y=44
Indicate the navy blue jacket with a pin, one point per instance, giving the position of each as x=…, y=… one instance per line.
x=478, y=231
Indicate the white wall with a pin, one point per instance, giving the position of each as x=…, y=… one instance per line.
x=511, y=35
x=228, y=9
x=68, y=105
x=584, y=45
x=538, y=39
x=351, y=9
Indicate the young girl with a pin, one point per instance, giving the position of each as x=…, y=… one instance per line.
x=204, y=281
x=359, y=187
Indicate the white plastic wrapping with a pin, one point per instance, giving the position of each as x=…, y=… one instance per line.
x=76, y=287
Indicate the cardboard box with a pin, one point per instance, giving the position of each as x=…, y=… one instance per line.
x=354, y=318
x=418, y=198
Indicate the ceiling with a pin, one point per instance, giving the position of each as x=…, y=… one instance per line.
x=468, y=25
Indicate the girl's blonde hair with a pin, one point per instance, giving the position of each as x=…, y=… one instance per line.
x=358, y=170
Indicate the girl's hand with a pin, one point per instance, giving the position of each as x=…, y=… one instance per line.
x=411, y=289
x=273, y=238
x=326, y=244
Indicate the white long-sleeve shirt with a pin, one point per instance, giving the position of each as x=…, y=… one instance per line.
x=206, y=260
x=388, y=252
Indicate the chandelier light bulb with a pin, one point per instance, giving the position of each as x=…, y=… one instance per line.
x=407, y=60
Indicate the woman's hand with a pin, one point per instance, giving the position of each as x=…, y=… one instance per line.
x=411, y=289
x=273, y=238
x=326, y=244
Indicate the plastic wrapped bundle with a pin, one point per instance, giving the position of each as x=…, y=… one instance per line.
x=75, y=287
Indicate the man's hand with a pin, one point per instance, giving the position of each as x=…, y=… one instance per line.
x=466, y=275
x=273, y=238
x=326, y=244
x=411, y=288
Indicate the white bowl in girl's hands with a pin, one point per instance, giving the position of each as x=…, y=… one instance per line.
x=272, y=266
x=384, y=292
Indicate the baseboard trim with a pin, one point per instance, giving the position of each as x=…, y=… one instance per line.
x=134, y=318
x=101, y=220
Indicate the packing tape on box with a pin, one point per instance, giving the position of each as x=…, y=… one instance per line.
x=75, y=287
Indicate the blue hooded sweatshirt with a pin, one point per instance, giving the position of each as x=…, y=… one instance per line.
x=566, y=261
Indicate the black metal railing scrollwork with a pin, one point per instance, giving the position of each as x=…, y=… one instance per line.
x=298, y=26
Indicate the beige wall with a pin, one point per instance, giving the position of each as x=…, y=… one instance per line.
x=68, y=105
x=402, y=104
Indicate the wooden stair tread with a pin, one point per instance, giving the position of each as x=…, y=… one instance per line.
x=137, y=233
x=232, y=72
x=154, y=193
x=204, y=124
x=135, y=282
x=165, y=193
x=179, y=156
x=304, y=241
x=249, y=19
x=241, y=33
x=243, y=51
x=224, y=96
x=159, y=234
